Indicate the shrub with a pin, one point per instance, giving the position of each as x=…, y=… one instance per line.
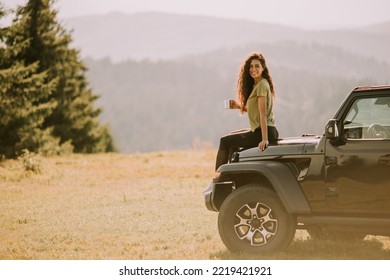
x=30, y=161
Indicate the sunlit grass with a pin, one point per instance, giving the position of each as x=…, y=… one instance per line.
x=140, y=206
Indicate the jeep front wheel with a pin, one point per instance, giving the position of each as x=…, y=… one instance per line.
x=253, y=220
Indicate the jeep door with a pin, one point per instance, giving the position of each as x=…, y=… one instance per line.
x=357, y=168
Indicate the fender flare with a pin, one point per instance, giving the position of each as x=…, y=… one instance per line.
x=281, y=178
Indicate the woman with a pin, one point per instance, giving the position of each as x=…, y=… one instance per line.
x=255, y=92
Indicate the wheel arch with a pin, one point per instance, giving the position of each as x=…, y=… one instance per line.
x=271, y=174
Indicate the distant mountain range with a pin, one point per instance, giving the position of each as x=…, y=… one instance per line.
x=162, y=78
x=168, y=36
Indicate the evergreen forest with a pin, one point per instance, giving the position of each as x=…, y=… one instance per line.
x=46, y=103
x=178, y=104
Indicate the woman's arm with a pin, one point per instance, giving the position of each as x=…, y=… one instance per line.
x=262, y=103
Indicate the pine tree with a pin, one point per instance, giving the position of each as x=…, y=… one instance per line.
x=74, y=118
x=22, y=89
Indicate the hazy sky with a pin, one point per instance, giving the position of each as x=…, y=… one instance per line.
x=311, y=14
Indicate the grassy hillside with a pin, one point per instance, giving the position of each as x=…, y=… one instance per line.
x=121, y=206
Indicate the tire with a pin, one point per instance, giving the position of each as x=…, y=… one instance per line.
x=253, y=220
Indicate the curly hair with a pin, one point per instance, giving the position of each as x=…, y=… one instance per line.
x=246, y=82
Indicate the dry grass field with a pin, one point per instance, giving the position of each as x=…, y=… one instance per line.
x=139, y=206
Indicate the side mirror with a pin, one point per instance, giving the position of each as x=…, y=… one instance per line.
x=332, y=130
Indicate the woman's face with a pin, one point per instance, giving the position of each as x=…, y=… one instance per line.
x=255, y=69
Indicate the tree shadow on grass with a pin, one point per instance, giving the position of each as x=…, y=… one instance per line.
x=311, y=249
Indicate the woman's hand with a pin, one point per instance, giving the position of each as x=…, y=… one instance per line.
x=234, y=104
x=263, y=145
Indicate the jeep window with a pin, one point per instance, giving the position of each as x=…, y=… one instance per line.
x=368, y=118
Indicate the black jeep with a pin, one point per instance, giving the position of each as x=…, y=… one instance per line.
x=333, y=185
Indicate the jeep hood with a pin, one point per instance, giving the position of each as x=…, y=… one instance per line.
x=285, y=147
